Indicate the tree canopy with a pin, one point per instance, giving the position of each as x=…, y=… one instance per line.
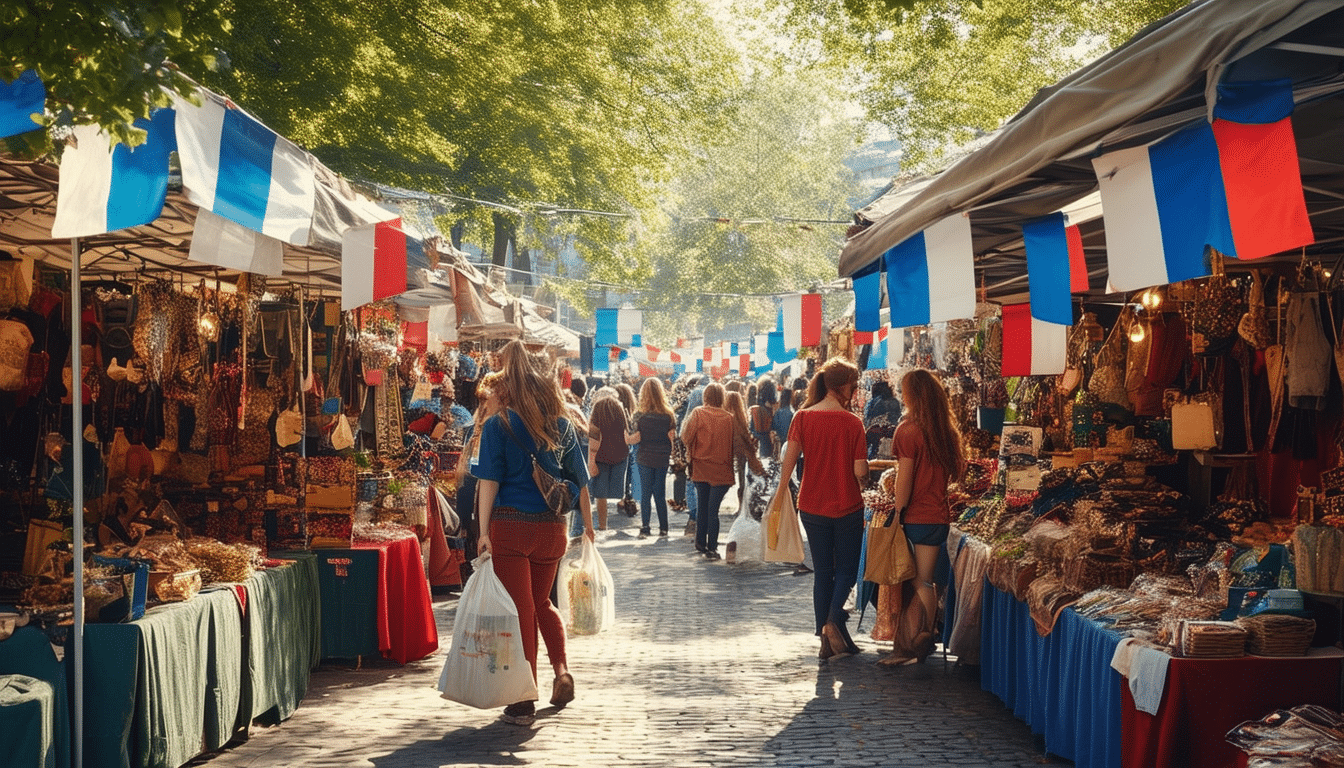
x=937, y=73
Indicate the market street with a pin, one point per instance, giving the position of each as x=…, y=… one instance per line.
x=709, y=664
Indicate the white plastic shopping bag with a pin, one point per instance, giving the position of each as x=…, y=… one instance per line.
x=587, y=594
x=744, y=539
x=486, y=666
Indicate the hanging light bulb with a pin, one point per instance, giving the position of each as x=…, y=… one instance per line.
x=1151, y=299
x=1137, y=332
x=209, y=326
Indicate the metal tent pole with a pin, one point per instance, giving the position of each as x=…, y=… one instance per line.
x=77, y=485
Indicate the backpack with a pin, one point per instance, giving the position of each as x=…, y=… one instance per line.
x=760, y=419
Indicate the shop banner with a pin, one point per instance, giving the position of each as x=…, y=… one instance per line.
x=1032, y=347
x=19, y=101
x=1055, y=267
x=104, y=188
x=931, y=275
x=242, y=170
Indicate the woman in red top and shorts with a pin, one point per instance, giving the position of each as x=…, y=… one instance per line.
x=929, y=451
x=830, y=501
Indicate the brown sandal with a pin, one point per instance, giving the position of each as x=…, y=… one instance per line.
x=562, y=691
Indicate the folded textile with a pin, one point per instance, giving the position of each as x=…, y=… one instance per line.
x=1145, y=667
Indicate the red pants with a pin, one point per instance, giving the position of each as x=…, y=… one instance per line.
x=526, y=557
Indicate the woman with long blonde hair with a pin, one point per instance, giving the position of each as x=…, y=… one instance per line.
x=519, y=530
x=929, y=454
x=830, y=501
x=653, y=429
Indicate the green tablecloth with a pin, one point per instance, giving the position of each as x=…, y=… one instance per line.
x=28, y=652
x=348, y=581
x=27, y=722
x=283, y=637
x=160, y=690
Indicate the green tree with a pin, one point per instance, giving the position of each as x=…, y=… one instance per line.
x=108, y=62
x=940, y=72
x=781, y=157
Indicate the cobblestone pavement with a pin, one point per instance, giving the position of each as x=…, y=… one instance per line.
x=709, y=664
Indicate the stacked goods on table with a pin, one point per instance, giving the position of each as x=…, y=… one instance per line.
x=1211, y=640
x=1278, y=635
x=330, y=501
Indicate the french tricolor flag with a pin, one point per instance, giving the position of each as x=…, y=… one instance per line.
x=235, y=167
x=621, y=327
x=931, y=275
x=744, y=365
x=104, y=188
x=868, y=298
x=1235, y=186
x=1056, y=267
x=373, y=263
x=801, y=320
x=1032, y=347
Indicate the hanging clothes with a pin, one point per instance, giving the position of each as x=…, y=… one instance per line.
x=1308, y=351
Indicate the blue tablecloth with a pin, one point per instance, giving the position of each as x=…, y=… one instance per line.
x=1062, y=685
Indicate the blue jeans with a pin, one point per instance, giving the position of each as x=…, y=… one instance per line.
x=835, y=543
x=707, y=515
x=634, y=475
x=692, y=497
x=653, y=490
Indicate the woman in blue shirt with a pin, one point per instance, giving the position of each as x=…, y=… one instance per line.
x=518, y=530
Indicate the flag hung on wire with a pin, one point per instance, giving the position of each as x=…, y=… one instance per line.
x=931, y=275
x=1056, y=267
x=1032, y=347
x=104, y=188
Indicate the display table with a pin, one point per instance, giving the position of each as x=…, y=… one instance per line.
x=1062, y=684
x=164, y=688
x=375, y=599
x=1206, y=698
x=27, y=722
x=283, y=631
x=28, y=652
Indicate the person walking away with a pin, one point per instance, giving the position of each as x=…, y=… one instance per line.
x=709, y=438
x=762, y=415
x=607, y=452
x=929, y=452
x=742, y=441
x=631, y=404
x=830, y=501
x=780, y=421
x=654, y=431
x=519, y=531
x=881, y=416
x=574, y=407
x=694, y=399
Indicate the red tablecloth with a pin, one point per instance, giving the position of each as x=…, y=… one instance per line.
x=406, y=630
x=1206, y=698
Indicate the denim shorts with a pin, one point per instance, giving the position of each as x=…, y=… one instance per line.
x=928, y=534
x=609, y=482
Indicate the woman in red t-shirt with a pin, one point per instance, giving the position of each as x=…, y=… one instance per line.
x=929, y=451
x=830, y=502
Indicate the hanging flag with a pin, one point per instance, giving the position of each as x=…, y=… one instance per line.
x=775, y=349
x=895, y=347
x=105, y=188
x=601, y=359
x=759, y=350
x=373, y=263
x=19, y=101
x=1051, y=264
x=443, y=326
x=801, y=324
x=223, y=243
x=1257, y=153
x=877, y=356
x=1032, y=347
x=863, y=337
x=868, y=297
x=931, y=275
x=619, y=326
x=242, y=170
x=744, y=365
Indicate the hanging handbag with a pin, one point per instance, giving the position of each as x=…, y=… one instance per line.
x=552, y=489
x=1192, y=426
x=889, y=560
x=1108, y=377
x=1254, y=325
